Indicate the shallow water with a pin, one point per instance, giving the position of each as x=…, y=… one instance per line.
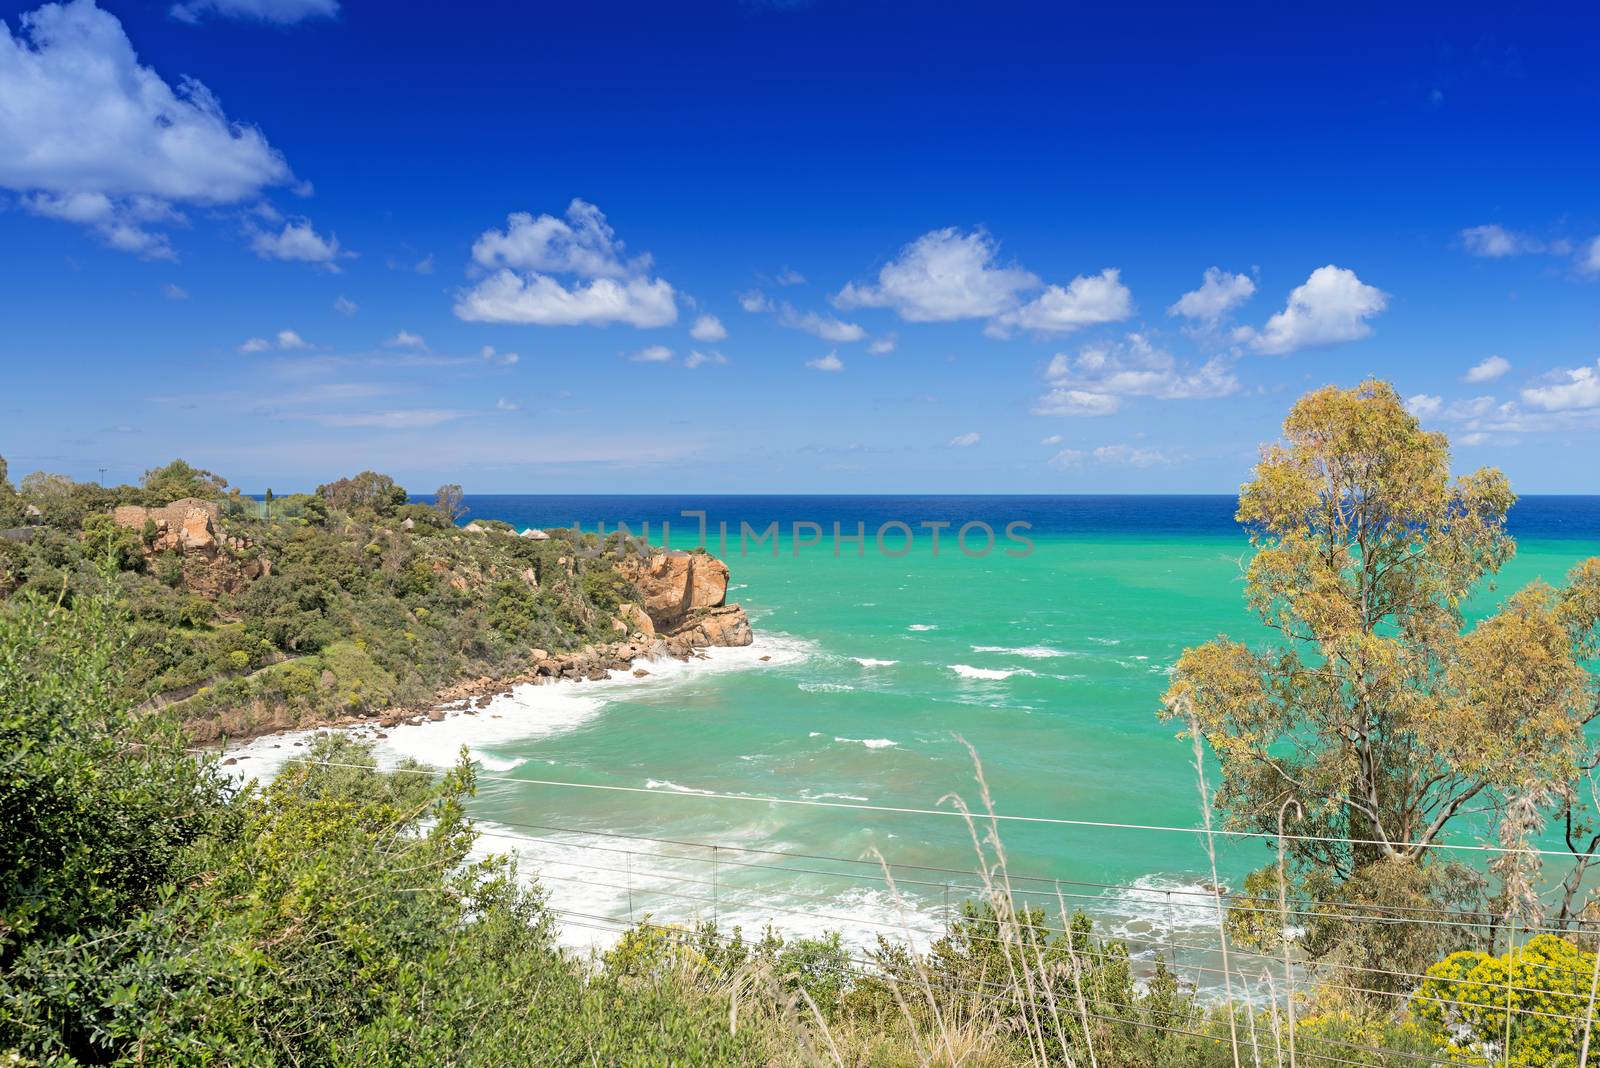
x=878, y=672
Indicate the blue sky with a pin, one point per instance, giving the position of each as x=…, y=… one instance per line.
x=740, y=247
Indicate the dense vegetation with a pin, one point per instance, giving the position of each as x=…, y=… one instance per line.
x=152, y=914
x=1378, y=720
x=369, y=601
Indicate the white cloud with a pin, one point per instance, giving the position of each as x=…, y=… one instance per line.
x=583, y=244
x=424, y=265
x=1477, y=437
x=298, y=242
x=755, y=302
x=281, y=12
x=1589, y=257
x=1219, y=293
x=522, y=259
x=882, y=346
x=288, y=339
x=345, y=306
x=255, y=344
x=1076, y=402
x=652, y=354
x=506, y=406
x=1085, y=301
x=942, y=276
x=1332, y=306
x=405, y=339
x=89, y=136
x=1494, y=241
x=1068, y=458
x=1574, y=390
x=1424, y=405
x=790, y=277
x=1053, y=439
x=1488, y=370
x=824, y=326
x=1091, y=381
x=505, y=359
x=539, y=300
x=962, y=441
x=1471, y=408
x=173, y=291
x=830, y=362
x=708, y=328
x=700, y=359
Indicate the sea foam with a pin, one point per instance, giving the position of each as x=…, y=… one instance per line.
x=1033, y=652
x=967, y=671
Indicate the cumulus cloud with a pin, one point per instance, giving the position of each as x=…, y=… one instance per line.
x=1488, y=370
x=285, y=340
x=173, y=291
x=708, y=328
x=1574, y=390
x=790, y=277
x=1589, y=257
x=298, y=242
x=1494, y=242
x=345, y=306
x=755, y=302
x=280, y=12
x=824, y=326
x=1085, y=301
x=88, y=135
x=504, y=359
x=1424, y=405
x=1331, y=307
x=652, y=354
x=700, y=359
x=507, y=406
x=1053, y=439
x=1076, y=402
x=405, y=339
x=882, y=346
x=1093, y=380
x=1219, y=293
x=946, y=275
x=962, y=441
x=539, y=300
x=830, y=362
x=524, y=258
x=942, y=276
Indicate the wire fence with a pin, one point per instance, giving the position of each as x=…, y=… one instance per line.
x=604, y=882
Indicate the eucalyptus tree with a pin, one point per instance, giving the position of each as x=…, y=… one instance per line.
x=1373, y=705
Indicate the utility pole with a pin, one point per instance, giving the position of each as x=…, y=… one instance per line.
x=102, y=478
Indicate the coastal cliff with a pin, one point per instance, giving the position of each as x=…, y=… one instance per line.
x=249, y=617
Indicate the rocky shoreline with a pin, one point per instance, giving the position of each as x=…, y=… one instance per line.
x=682, y=611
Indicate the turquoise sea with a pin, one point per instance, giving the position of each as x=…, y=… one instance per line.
x=869, y=674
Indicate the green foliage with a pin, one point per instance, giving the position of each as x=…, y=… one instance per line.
x=177, y=480
x=123, y=547
x=1376, y=712
x=368, y=491
x=1538, y=994
x=448, y=502
x=382, y=608
x=97, y=804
